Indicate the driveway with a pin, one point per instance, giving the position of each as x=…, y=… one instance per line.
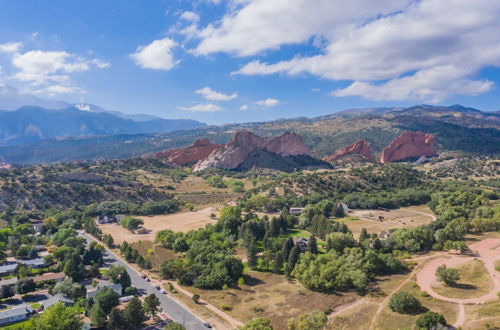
x=173, y=308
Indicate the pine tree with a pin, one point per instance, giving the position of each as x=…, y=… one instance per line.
x=151, y=305
x=115, y=320
x=293, y=258
x=134, y=314
x=287, y=247
x=277, y=262
x=252, y=254
x=313, y=245
x=363, y=235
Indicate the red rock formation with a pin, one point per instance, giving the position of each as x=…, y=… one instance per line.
x=288, y=144
x=236, y=151
x=361, y=148
x=199, y=150
x=408, y=145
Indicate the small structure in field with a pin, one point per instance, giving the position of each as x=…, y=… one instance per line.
x=301, y=242
x=384, y=234
x=296, y=210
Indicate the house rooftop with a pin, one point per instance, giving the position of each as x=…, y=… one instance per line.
x=16, y=311
x=58, y=298
x=49, y=277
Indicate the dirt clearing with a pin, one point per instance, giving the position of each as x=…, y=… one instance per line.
x=182, y=222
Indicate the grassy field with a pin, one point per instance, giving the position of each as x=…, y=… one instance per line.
x=475, y=281
x=155, y=253
x=271, y=296
x=392, y=320
x=183, y=221
x=481, y=315
x=407, y=217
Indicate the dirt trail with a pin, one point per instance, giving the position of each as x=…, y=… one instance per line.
x=488, y=252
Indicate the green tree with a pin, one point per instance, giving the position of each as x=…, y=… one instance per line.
x=25, y=285
x=313, y=245
x=115, y=319
x=252, y=254
x=449, y=276
x=196, y=298
x=404, y=303
x=58, y=317
x=430, y=320
x=106, y=299
x=134, y=314
x=151, y=305
x=260, y=323
x=6, y=292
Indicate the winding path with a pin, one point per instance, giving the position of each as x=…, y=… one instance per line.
x=488, y=251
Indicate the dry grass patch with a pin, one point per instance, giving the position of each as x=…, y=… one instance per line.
x=479, y=315
x=157, y=254
x=358, y=317
x=183, y=222
x=272, y=296
x=392, y=320
x=475, y=281
x=407, y=217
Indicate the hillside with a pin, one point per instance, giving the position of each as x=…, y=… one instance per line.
x=31, y=124
x=456, y=129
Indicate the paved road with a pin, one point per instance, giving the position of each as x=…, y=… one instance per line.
x=174, y=309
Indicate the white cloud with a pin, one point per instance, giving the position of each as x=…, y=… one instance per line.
x=433, y=84
x=260, y=25
x=203, y=107
x=212, y=95
x=39, y=67
x=375, y=45
x=157, y=55
x=269, y=102
x=10, y=47
x=61, y=89
x=190, y=16
x=244, y=107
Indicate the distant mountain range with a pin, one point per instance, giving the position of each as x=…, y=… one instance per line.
x=31, y=124
x=456, y=128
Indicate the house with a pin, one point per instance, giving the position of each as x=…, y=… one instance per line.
x=92, y=291
x=7, y=268
x=14, y=315
x=296, y=210
x=301, y=242
x=38, y=228
x=140, y=231
x=9, y=282
x=33, y=263
x=384, y=234
x=58, y=298
x=103, y=219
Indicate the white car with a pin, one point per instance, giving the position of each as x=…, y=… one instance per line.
x=163, y=291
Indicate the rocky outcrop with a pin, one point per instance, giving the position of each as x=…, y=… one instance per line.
x=409, y=145
x=245, y=143
x=188, y=156
x=361, y=148
x=288, y=144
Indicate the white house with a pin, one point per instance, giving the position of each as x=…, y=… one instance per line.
x=91, y=291
x=14, y=315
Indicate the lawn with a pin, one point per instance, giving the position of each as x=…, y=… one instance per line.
x=272, y=296
x=475, y=281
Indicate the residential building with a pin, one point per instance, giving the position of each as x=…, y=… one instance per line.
x=92, y=291
x=14, y=315
x=301, y=242
x=58, y=298
x=296, y=210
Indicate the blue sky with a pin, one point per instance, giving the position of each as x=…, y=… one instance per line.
x=221, y=61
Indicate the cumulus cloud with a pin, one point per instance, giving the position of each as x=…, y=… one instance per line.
x=10, y=47
x=39, y=67
x=203, y=107
x=244, y=107
x=262, y=24
x=212, y=95
x=61, y=89
x=269, y=102
x=389, y=50
x=190, y=16
x=157, y=55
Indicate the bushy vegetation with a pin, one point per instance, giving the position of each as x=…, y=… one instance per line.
x=405, y=303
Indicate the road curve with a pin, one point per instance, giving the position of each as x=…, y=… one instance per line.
x=178, y=312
